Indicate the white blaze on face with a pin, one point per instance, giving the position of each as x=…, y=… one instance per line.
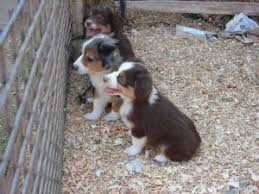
x=111, y=79
x=78, y=64
x=91, y=28
x=81, y=68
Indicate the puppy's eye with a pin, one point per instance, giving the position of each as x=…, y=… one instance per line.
x=122, y=79
x=90, y=59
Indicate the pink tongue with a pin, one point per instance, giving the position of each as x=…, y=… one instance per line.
x=90, y=33
x=110, y=90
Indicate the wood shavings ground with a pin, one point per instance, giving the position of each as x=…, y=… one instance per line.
x=212, y=82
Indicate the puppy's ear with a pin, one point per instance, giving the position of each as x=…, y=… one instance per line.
x=143, y=87
x=107, y=48
x=108, y=10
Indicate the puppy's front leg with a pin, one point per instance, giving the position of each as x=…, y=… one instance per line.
x=161, y=158
x=98, y=107
x=114, y=114
x=138, y=143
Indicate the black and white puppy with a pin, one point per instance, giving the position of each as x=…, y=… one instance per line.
x=151, y=117
x=100, y=56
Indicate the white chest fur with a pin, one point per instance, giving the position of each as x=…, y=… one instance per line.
x=97, y=81
x=125, y=110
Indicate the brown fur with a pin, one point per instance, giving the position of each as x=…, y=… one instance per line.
x=104, y=16
x=105, y=29
x=95, y=65
x=96, y=95
x=103, y=21
x=109, y=22
x=129, y=91
x=161, y=122
x=125, y=46
x=116, y=103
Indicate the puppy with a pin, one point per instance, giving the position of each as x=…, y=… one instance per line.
x=102, y=20
x=151, y=117
x=100, y=56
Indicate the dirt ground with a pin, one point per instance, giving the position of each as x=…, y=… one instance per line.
x=214, y=83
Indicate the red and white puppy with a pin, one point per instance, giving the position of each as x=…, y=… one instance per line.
x=151, y=117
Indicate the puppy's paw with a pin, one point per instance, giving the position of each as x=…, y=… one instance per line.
x=160, y=158
x=112, y=116
x=132, y=150
x=91, y=116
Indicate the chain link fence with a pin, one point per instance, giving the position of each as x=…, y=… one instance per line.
x=33, y=70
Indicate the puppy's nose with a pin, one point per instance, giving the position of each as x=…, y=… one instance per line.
x=105, y=79
x=88, y=23
x=75, y=67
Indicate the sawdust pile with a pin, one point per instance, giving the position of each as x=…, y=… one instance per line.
x=214, y=83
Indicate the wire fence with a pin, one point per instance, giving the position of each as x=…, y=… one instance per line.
x=33, y=69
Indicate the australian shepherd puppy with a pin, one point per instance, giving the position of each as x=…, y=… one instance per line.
x=100, y=56
x=151, y=117
x=103, y=20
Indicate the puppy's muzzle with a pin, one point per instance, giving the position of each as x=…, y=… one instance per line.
x=88, y=23
x=75, y=67
x=105, y=79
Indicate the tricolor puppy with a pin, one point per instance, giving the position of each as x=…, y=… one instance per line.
x=99, y=57
x=105, y=21
x=101, y=19
x=151, y=117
